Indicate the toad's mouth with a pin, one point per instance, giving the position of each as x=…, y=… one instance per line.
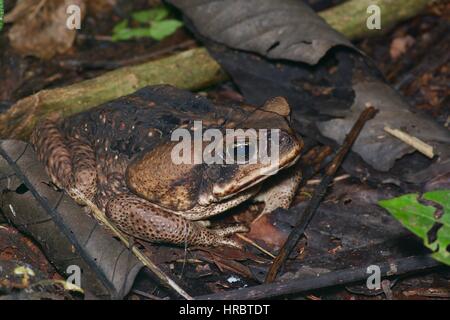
x=257, y=176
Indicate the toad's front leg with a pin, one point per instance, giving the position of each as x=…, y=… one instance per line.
x=141, y=219
x=279, y=191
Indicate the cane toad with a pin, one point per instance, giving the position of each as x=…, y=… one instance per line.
x=119, y=156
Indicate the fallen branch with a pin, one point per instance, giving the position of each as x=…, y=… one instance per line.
x=414, y=142
x=101, y=218
x=326, y=280
x=337, y=179
x=319, y=193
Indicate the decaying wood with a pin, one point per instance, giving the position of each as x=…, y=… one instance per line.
x=326, y=280
x=414, y=142
x=192, y=69
x=350, y=18
x=319, y=193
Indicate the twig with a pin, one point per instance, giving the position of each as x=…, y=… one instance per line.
x=253, y=243
x=414, y=142
x=97, y=37
x=319, y=193
x=337, y=179
x=325, y=280
x=100, y=216
x=193, y=261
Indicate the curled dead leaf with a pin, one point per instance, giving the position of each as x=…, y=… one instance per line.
x=40, y=27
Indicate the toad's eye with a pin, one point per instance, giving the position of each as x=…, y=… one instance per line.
x=243, y=153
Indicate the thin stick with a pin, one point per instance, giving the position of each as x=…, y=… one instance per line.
x=319, y=193
x=414, y=142
x=257, y=246
x=337, y=179
x=100, y=216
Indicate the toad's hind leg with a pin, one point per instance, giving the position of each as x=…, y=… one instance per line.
x=139, y=218
x=69, y=162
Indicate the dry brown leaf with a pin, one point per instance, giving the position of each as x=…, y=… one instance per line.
x=400, y=45
x=265, y=231
x=40, y=27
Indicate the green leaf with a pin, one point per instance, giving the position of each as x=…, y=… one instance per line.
x=420, y=219
x=153, y=25
x=162, y=29
x=128, y=33
x=2, y=12
x=120, y=26
x=147, y=16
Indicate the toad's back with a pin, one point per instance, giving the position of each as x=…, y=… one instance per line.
x=136, y=122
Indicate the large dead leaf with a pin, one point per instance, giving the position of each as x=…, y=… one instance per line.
x=40, y=27
x=66, y=234
x=286, y=29
x=377, y=147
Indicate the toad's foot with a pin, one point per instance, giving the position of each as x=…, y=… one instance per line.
x=140, y=218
